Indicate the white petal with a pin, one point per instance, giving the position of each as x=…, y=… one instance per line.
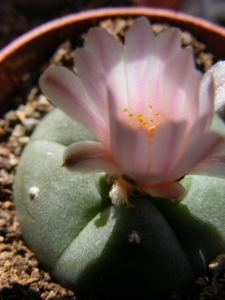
x=89, y=156
x=93, y=79
x=198, y=129
x=213, y=166
x=129, y=146
x=206, y=99
x=167, y=147
x=218, y=72
x=168, y=43
x=145, y=56
x=180, y=94
x=203, y=147
x=138, y=50
x=65, y=91
x=108, y=53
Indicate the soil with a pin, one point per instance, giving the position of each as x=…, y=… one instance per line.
x=21, y=276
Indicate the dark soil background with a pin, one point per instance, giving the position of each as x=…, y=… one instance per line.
x=21, y=277
x=19, y=16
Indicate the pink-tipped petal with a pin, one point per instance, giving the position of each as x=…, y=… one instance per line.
x=93, y=79
x=131, y=151
x=145, y=57
x=206, y=99
x=167, y=147
x=218, y=73
x=129, y=146
x=87, y=156
x=168, y=43
x=65, y=91
x=167, y=48
x=212, y=166
x=109, y=56
x=200, y=149
x=138, y=49
x=172, y=190
x=181, y=88
x=198, y=129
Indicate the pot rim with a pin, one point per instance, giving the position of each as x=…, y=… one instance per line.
x=31, y=49
x=167, y=14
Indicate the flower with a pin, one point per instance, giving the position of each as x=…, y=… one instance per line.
x=148, y=107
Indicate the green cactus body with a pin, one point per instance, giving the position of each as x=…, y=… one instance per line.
x=145, y=250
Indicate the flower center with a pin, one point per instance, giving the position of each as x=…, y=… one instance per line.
x=148, y=123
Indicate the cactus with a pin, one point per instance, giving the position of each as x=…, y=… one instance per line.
x=144, y=250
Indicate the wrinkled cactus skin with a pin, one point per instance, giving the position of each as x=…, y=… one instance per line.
x=147, y=250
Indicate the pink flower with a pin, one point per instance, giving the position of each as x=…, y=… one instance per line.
x=147, y=106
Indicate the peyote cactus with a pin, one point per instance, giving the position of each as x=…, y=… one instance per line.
x=148, y=249
x=143, y=213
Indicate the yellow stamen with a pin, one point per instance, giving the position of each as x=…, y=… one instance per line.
x=148, y=124
x=151, y=130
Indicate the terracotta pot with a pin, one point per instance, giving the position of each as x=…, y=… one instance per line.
x=31, y=49
x=25, y=53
